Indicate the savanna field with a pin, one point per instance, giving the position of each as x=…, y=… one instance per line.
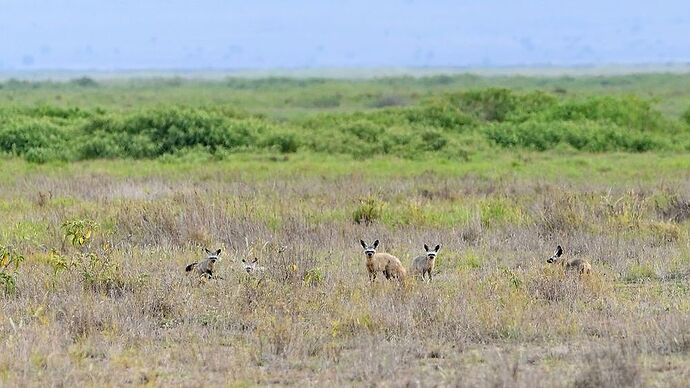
x=110, y=187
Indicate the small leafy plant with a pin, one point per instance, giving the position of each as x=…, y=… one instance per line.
x=97, y=270
x=79, y=232
x=313, y=277
x=9, y=264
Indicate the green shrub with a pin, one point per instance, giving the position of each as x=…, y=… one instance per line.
x=313, y=277
x=452, y=126
x=282, y=142
x=628, y=112
x=79, y=232
x=57, y=262
x=585, y=136
x=433, y=140
x=686, y=116
x=157, y=132
x=9, y=264
x=23, y=135
x=99, y=146
x=493, y=104
x=100, y=274
x=439, y=113
x=499, y=211
x=369, y=210
x=55, y=112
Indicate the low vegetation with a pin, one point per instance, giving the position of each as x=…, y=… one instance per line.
x=96, y=237
x=455, y=124
x=102, y=295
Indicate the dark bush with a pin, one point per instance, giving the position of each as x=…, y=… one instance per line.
x=388, y=101
x=84, y=82
x=686, y=116
x=439, y=114
x=283, y=142
x=433, y=140
x=490, y=104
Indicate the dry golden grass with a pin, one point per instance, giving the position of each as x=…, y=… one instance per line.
x=120, y=310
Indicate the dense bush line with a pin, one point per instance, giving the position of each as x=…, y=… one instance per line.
x=453, y=125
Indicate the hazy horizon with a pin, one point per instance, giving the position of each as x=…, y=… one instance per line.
x=213, y=34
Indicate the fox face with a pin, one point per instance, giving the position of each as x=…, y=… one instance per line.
x=369, y=250
x=212, y=256
x=431, y=253
x=250, y=267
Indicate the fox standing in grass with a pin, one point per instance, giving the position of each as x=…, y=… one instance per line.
x=206, y=266
x=582, y=266
x=424, y=264
x=389, y=265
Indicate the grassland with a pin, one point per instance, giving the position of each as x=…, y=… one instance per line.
x=101, y=298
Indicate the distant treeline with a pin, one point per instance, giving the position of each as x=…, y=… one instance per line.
x=452, y=125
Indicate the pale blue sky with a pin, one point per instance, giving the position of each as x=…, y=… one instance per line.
x=214, y=34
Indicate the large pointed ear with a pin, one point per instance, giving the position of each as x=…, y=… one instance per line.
x=437, y=248
x=207, y=251
x=364, y=245
x=218, y=252
x=376, y=243
x=256, y=259
x=426, y=248
x=559, y=251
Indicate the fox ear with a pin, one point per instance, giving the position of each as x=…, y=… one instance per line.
x=256, y=259
x=426, y=248
x=559, y=251
x=376, y=243
x=218, y=252
x=207, y=251
x=364, y=245
x=437, y=248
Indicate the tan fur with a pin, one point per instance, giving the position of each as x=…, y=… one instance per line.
x=206, y=266
x=377, y=263
x=395, y=269
x=422, y=265
x=202, y=268
x=581, y=266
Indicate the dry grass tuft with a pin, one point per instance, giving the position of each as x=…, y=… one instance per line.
x=102, y=296
x=617, y=366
